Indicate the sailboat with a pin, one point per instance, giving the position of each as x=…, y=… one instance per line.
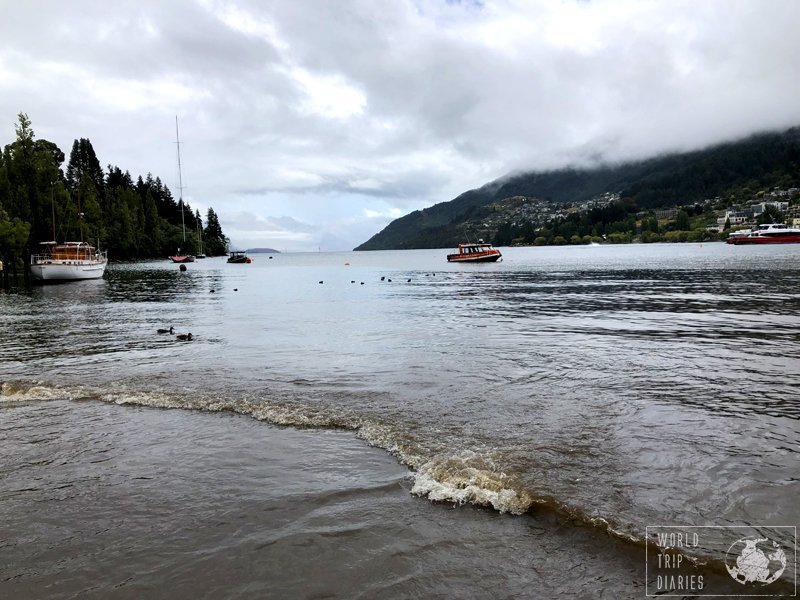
x=70, y=261
x=180, y=258
x=200, y=241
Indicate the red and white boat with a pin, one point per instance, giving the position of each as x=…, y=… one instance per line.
x=769, y=233
x=480, y=252
x=182, y=258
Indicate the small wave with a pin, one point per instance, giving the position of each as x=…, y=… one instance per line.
x=464, y=477
x=22, y=391
x=470, y=479
x=458, y=477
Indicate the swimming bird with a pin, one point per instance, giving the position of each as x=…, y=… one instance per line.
x=170, y=330
x=320, y=281
x=382, y=278
x=187, y=337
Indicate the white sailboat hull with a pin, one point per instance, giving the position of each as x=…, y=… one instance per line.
x=68, y=270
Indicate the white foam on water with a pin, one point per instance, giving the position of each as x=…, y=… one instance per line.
x=470, y=478
x=21, y=391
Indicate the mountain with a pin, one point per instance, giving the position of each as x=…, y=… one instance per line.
x=740, y=168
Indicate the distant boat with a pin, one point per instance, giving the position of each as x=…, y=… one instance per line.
x=769, y=233
x=182, y=258
x=471, y=253
x=70, y=261
x=239, y=257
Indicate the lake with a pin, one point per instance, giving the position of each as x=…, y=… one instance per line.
x=365, y=424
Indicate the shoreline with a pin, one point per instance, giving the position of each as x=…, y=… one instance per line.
x=138, y=508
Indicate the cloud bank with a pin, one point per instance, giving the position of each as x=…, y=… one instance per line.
x=316, y=123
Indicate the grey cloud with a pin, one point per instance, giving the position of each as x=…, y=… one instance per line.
x=454, y=94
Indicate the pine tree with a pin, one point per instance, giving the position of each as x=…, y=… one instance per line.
x=216, y=243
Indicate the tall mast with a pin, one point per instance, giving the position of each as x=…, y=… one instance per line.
x=180, y=179
x=53, y=208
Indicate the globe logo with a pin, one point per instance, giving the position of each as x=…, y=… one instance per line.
x=755, y=560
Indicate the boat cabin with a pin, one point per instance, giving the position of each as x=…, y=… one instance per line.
x=53, y=251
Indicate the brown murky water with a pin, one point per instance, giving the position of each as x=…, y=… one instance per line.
x=591, y=392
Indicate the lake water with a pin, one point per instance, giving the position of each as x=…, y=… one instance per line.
x=385, y=424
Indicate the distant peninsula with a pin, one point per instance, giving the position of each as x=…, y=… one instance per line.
x=263, y=251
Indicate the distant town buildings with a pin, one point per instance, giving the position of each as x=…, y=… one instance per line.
x=739, y=217
x=527, y=211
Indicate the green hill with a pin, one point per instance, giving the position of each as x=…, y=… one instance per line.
x=735, y=169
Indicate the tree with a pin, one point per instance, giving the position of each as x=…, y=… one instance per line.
x=83, y=161
x=13, y=239
x=682, y=221
x=650, y=224
x=770, y=215
x=216, y=243
x=33, y=172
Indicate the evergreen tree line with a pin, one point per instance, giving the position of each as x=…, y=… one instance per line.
x=131, y=219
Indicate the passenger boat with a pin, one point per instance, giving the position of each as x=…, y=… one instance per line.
x=70, y=261
x=480, y=252
x=739, y=233
x=769, y=233
x=239, y=256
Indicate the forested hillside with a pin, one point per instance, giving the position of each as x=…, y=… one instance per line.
x=733, y=171
x=130, y=218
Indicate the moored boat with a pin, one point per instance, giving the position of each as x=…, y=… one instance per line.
x=70, y=261
x=181, y=258
x=238, y=257
x=480, y=252
x=769, y=233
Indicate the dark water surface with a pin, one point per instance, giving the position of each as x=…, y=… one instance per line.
x=593, y=390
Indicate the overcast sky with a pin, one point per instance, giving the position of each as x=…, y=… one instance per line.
x=312, y=124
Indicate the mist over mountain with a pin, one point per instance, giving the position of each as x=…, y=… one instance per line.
x=761, y=161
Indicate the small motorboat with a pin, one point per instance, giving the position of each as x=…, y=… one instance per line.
x=480, y=252
x=182, y=258
x=239, y=257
